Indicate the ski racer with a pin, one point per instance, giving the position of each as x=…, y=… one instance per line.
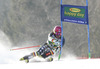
x=51, y=47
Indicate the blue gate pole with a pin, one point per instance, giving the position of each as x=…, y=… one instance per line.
x=61, y=31
x=88, y=31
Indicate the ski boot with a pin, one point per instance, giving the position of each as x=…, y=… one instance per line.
x=25, y=58
x=50, y=59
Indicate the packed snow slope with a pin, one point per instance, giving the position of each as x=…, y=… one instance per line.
x=12, y=57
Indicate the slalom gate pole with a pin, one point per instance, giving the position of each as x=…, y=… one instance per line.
x=61, y=31
x=88, y=31
x=24, y=48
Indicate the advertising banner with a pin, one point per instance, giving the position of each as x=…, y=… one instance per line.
x=74, y=14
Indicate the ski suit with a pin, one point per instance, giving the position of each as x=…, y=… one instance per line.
x=49, y=48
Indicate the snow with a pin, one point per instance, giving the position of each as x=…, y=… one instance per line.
x=10, y=59
x=65, y=64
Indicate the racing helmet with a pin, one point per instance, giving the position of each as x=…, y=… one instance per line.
x=57, y=31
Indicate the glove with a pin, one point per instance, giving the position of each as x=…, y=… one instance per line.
x=57, y=43
x=58, y=49
x=53, y=40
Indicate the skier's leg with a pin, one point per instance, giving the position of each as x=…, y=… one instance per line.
x=44, y=52
x=48, y=55
x=38, y=53
x=27, y=57
x=41, y=51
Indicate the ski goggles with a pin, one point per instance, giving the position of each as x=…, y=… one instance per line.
x=58, y=33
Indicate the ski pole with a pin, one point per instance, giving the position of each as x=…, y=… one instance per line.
x=24, y=48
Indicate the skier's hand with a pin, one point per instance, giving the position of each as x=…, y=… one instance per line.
x=53, y=40
x=58, y=49
x=57, y=43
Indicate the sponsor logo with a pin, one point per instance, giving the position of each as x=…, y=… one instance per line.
x=75, y=10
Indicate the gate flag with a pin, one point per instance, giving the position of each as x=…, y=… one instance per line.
x=74, y=14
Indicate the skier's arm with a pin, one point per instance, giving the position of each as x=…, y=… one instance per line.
x=50, y=38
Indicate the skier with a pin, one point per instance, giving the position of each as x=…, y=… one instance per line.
x=51, y=47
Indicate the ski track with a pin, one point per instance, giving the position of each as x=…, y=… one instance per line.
x=65, y=64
